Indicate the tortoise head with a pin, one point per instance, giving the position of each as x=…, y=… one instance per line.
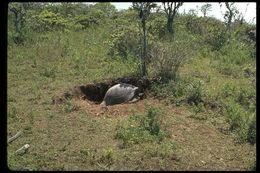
x=103, y=103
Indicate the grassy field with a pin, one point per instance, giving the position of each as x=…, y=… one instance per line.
x=152, y=134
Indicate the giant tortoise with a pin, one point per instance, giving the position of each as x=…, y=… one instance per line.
x=121, y=93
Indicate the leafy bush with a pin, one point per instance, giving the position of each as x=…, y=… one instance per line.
x=234, y=115
x=251, y=133
x=241, y=121
x=252, y=166
x=245, y=97
x=227, y=90
x=195, y=92
x=239, y=54
x=124, y=41
x=141, y=128
x=86, y=21
x=212, y=30
x=157, y=26
x=167, y=57
x=239, y=110
x=173, y=90
x=48, y=21
x=249, y=71
x=70, y=107
x=108, y=156
x=229, y=69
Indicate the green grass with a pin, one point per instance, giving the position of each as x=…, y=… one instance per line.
x=69, y=137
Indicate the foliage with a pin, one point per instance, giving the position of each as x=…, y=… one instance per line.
x=211, y=30
x=239, y=111
x=251, y=133
x=229, y=17
x=233, y=113
x=144, y=10
x=142, y=128
x=86, y=21
x=171, y=9
x=189, y=89
x=156, y=26
x=48, y=21
x=195, y=92
x=206, y=8
x=124, y=41
x=106, y=7
x=19, y=14
x=168, y=56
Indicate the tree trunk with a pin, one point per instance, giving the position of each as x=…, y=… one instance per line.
x=170, y=24
x=18, y=23
x=144, y=55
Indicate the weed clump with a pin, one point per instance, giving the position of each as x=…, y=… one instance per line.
x=188, y=90
x=141, y=128
x=239, y=110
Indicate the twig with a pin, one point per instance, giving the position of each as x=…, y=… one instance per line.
x=104, y=167
x=14, y=137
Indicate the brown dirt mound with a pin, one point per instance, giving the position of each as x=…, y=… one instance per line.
x=124, y=109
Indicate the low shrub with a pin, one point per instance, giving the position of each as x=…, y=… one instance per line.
x=141, y=128
x=195, y=92
x=168, y=56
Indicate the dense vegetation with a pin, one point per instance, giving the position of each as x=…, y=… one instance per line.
x=52, y=47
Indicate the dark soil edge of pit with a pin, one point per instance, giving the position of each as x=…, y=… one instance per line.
x=96, y=91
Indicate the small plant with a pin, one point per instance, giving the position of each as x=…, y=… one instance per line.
x=69, y=107
x=12, y=112
x=108, y=157
x=251, y=133
x=153, y=127
x=246, y=97
x=228, y=90
x=229, y=69
x=85, y=152
x=233, y=114
x=48, y=72
x=252, y=166
x=141, y=128
x=173, y=90
x=199, y=108
x=66, y=48
x=195, y=91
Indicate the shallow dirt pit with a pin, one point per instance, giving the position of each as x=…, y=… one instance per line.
x=95, y=92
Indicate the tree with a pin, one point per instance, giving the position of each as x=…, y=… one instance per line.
x=205, y=9
x=192, y=12
x=171, y=8
x=18, y=9
x=241, y=16
x=144, y=10
x=105, y=7
x=229, y=17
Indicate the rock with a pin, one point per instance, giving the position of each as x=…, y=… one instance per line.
x=23, y=149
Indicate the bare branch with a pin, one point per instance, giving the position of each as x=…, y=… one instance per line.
x=166, y=11
x=14, y=137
